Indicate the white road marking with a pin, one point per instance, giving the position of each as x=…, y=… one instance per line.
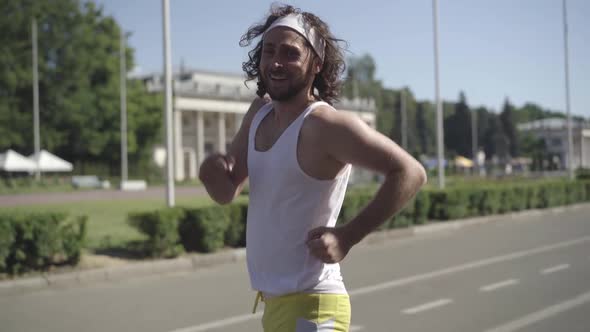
x=498, y=285
x=402, y=282
x=466, y=266
x=548, y=312
x=427, y=306
x=555, y=269
x=355, y=328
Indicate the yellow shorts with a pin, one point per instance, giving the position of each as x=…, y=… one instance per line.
x=301, y=312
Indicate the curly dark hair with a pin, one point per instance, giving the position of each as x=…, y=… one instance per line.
x=327, y=82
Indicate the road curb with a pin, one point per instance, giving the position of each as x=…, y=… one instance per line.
x=195, y=261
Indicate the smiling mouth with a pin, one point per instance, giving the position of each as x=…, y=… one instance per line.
x=277, y=76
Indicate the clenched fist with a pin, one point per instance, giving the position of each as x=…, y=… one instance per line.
x=330, y=245
x=216, y=164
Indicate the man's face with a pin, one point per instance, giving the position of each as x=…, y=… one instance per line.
x=285, y=64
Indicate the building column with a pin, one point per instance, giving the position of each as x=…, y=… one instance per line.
x=200, y=139
x=221, y=132
x=178, y=153
x=193, y=164
x=238, y=118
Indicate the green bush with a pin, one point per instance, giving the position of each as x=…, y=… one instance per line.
x=37, y=241
x=210, y=228
x=532, y=196
x=490, y=203
x=449, y=204
x=552, y=194
x=235, y=234
x=519, y=198
x=354, y=201
x=421, y=207
x=6, y=241
x=475, y=202
x=161, y=229
x=204, y=229
x=506, y=196
x=583, y=174
x=399, y=221
x=575, y=192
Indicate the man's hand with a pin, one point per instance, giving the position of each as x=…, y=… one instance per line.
x=216, y=174
x=216, y=164
x=330, y=245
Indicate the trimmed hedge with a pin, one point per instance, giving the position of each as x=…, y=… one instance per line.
x=204, y=229
x=211, y=228
x=37, y=241
x=235, y=234
x=174, y=230
x=161, y=229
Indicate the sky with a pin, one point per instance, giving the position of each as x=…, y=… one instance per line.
x=489, y=49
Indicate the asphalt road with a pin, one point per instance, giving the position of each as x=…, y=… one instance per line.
x=527, y=274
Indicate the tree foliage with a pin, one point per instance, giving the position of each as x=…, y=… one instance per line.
x=497, y=133
x=79, y=84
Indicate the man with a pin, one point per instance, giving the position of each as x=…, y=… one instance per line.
x=297, y=152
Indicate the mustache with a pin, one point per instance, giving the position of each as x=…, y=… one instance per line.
x=278, y=72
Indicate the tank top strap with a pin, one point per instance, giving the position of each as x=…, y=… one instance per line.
x=308, y=110
x=258, y=117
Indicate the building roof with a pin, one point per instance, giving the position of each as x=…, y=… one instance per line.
x=225, y=86
x=552, y=123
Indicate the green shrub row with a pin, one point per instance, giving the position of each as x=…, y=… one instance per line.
x=462, y=202
x=174, y=230
x=210, y=228
x=37, y=241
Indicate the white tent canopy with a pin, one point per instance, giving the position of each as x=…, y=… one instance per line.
x=11, y=161
x=51, y=163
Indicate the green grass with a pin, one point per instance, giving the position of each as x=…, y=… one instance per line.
x=36, y=188
x=107, y=220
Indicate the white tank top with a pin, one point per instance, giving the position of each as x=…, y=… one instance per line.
x=285, y=204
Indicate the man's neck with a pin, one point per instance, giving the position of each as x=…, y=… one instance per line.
x=285, y=112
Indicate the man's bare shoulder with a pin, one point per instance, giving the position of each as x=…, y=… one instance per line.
x=255, y=106
x=325, y=120
x=258, y=102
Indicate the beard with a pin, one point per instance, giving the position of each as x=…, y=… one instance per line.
x=286, y=91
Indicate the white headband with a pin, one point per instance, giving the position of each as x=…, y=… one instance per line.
x=297, y=23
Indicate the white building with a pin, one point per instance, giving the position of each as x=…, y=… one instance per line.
x=554, y=132
x=208, y=110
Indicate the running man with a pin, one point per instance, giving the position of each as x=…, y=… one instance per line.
x=297, y=151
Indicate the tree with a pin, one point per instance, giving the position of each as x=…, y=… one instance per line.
x=425, y=128
x=495, y=141
x=507, y=120
x=483, y=116
x=458, y=128
x=78, y=84
x=536, y=149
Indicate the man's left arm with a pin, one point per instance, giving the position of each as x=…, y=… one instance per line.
x=346, y=138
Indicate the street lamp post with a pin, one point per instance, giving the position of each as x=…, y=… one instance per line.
x=168, y=104
x=474, y=140
x=404, y=120
x=123, y=69
x=570, y=143
x=439, y=111
x=37, y=140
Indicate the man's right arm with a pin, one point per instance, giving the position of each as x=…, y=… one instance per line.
x=224, y=175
